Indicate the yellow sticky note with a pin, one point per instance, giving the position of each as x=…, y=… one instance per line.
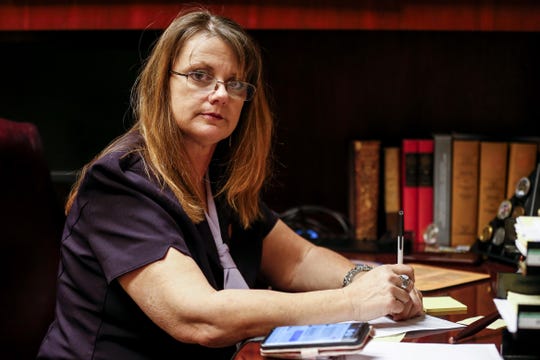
x=497, y=324
x=469, y=320
x=390, y=338
x=443, y=305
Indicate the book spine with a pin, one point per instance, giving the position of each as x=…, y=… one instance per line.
x=442, y=182
x=464, y=218
x=392, y=200
x=522, y=159
x=409, y=186
x=425, y=190
x=366, y=156
x=492, y=180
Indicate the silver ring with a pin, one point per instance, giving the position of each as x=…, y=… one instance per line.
x=405, y=281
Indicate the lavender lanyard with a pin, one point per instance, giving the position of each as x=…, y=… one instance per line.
x=232, y=278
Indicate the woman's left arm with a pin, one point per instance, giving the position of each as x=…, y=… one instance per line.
x=292, y=263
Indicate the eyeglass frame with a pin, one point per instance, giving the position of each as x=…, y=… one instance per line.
x=248, y=86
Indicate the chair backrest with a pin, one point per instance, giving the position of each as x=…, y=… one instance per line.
x=31, y=220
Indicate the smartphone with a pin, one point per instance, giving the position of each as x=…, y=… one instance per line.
x=316, y=339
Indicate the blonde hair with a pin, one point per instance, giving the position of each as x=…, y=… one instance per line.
x=248, y=155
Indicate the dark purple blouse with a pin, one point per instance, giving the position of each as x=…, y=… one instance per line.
x=120, y=221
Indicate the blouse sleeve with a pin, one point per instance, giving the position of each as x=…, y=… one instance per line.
x=126, y=219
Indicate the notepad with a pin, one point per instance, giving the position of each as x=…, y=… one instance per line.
x=443, y=305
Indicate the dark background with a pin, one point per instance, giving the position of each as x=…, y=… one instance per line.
x=328, y=87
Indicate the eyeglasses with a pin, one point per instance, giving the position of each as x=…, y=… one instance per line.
x=205, y=83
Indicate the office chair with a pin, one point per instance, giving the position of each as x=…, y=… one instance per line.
x=31, y=220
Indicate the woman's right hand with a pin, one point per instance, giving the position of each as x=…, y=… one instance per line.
x=379, y=292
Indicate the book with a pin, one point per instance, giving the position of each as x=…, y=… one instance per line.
x=409, y=186
x=464, y=217
x=364, y=179
x=417, y=186
x=522, y=157
x=491, y=180
x=442, y=186
x=392, y=201
x=425, y=189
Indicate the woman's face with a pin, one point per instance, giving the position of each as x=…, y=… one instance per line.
x=205, y=115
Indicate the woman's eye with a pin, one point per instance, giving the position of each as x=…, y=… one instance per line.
x=200, y=76
x=235, y=84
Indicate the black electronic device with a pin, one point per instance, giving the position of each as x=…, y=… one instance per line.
x=317, y=223
x=298, y=341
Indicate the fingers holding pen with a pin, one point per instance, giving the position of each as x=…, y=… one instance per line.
x=387, y=289
x=408, y=299
x=413, y=305
x=399, y=276
x=406, y=304
x=403, y=269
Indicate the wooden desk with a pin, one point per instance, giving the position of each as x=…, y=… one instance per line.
x=478, y=296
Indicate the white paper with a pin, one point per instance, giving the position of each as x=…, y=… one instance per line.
x=375, y=350
x=527, y=229
x=508, y=307
x=384, y=326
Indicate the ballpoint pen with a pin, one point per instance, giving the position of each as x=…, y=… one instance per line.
x=475, y=327
x=400, y=239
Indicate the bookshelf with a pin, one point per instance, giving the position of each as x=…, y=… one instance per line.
x=396, y=70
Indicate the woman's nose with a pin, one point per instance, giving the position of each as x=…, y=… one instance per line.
x=220, y=91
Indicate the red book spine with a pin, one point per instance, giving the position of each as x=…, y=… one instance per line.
x=425, y=187
x=409, y=186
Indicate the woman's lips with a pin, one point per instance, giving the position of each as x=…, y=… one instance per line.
x=213, y=115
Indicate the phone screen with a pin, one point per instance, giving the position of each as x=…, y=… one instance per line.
x=343, y=334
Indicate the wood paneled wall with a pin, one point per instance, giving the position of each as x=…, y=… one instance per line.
x=383, y=69
x=328, y=87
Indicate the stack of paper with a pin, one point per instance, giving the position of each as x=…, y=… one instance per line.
x=384, y=326
x=527, y=230
x=508, y=308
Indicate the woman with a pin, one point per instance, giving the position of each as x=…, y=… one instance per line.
x=168, y=251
